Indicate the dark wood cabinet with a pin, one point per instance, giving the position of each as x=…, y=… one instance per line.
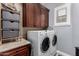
x=35, y=15
x=44, y=17
x=20, y=51
x=28, y=15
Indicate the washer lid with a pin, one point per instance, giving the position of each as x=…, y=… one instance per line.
x=45, y=45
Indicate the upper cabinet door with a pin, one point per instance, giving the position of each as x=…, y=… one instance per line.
x=37, y=15
x=28, y=14
x=24, y=15
x=44, y=17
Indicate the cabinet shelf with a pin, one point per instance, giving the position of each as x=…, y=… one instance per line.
x=14, y=12
x=9, y=29
x=10, y=34
x=10, y=20
x=9, y=39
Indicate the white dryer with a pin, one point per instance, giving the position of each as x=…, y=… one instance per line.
x=53, y=43
x=40, y=43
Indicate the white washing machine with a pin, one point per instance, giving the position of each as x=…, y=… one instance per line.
x=40, y=43
x=53, y=43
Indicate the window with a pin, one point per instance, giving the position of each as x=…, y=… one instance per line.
x=62, y=15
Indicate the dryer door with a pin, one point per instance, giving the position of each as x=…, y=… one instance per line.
x=54, y=41
x=45, y=45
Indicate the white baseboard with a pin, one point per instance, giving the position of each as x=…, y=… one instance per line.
x=62, y=53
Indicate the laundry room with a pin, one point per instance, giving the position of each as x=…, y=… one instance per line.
x=65, y=31
x=39, y=29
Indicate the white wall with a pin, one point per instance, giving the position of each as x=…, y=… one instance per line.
x=75, y=24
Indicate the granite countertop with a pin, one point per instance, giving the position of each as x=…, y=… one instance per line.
x=12, y=45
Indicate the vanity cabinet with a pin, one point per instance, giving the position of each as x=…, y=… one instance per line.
x=20, y=51
x=35, y=15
